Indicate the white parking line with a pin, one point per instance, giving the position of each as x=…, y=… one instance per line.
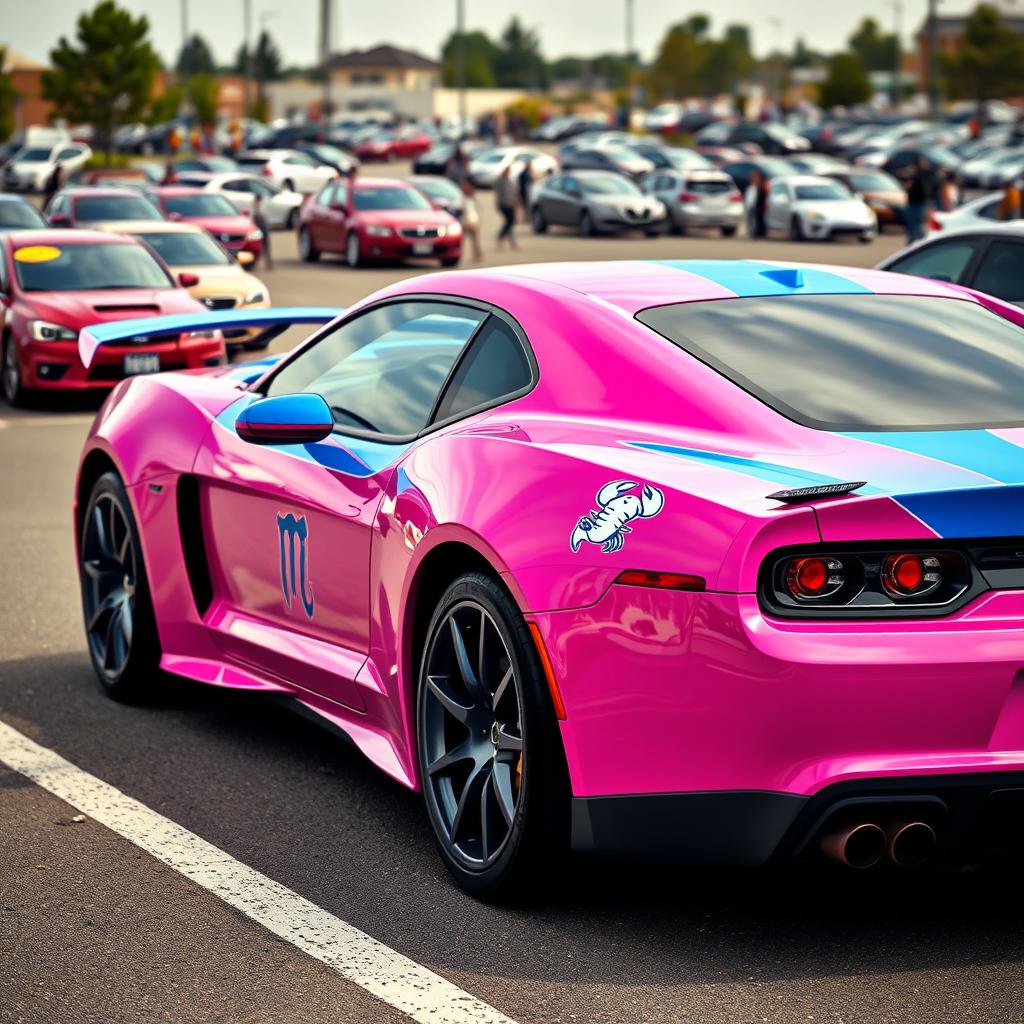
x=395, y=979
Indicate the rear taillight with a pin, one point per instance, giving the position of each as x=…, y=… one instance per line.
x=688, y=197
x=934, y=224
x=861, y=582
x=268, y=170
x=735, y=197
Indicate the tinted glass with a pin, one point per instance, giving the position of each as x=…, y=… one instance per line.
x=713, y=187
x=495, y=366
x=186, y=250
x=19, y=215
x=34, y=156
x=611, y=185
x=438, y=188
x=382, y=372
x=860, y=362
x=821, y=192
x=126, y=207
x=389, y=198
x=944, y=261
x=868, y=182
x=91, y=266
x=1002, y=271
x=210, y=205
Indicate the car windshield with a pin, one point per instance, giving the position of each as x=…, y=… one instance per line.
x=611, y=184
x=619, y=154
x=822, y=191
x=33, y=156
x=186, y=249
x=208, y=205
x=686, y=158
x=389, y=197
x=19, y=215
x=438, y=188
x=860, y=362
x=89, y=266
x=776, y=168
x=873, y=183
x=495, y=156
x=126, y=207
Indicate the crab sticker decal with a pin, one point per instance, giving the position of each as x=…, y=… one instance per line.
x=616, y=508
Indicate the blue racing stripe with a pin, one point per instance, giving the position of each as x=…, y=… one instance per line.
x=770, y=471
x=747, y=278
x=975, y=450
x=981, y=512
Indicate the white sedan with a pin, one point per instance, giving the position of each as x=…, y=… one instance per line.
x=808, y=207
x=486, y=166
x=280, y=207
x=982, y=212
x=33, y=168
x=293, y=171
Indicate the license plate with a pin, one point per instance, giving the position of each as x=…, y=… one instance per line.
x=422, y=248
x=141, y=362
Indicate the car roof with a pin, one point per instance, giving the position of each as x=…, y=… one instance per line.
x=632, y=285
x=807, y=179
x=8, y=197
x=56, y=236
x=103, y=191
x=164, y=227
x=175, y=190
x=592, y=172
x=361, y=183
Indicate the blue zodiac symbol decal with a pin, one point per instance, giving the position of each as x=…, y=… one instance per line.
x=616, y=507
x=293, y=533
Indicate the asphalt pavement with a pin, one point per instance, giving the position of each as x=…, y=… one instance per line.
x=94, y=929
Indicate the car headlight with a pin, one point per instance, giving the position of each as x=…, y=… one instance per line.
x=254, y=236
x=193, y=335
x=42, y=330
x=378, y=230
x=256, y=296
x=454, y=230
x=814, y=215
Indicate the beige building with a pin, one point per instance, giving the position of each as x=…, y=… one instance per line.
x=384, y=67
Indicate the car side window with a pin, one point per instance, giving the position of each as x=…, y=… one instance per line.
x=571, y=186
x=236, y=186
x=990, y=211
x=68, y=154
x=1002, y=271
x=778, y=189
x=326, y=195
x=4, y=280
x=382, y=371
x=943, y=261
x=495, y=366
x=556, y=183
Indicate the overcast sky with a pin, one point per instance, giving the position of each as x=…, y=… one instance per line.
x=565, y=26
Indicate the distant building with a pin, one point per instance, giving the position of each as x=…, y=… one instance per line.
x=949, y=34
x=27, y=77
x=384, y=67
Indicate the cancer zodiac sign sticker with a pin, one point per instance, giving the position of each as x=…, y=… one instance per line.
x=616, y=508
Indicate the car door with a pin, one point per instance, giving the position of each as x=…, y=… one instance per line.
x=568, y=201
x=319, y=223
x=999, y=270
x=302, y=172
x=779, y=205
x=290, y=527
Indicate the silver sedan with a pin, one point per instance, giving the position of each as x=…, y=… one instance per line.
x=595, y=202
x=698, y=199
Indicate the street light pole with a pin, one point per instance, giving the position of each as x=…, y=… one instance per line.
x=247, y=32
x=897, y=57
x=933, y=59
x=325, y=56
x=631, y=78
x=183, y=70
x=460, y=58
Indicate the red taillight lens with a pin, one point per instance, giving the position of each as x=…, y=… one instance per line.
x=735, y=197
x=808, y=578
x=660, y=580
x=909, y=574
x=267, y=170
x=934, y=224
x=688, y=197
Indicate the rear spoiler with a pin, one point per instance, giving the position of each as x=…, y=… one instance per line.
x=275, y=321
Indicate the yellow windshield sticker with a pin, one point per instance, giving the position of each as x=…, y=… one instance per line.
x=37, y=254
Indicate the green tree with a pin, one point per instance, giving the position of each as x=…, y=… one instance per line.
x=267, y=64
x=479, y=55
x=727, y=61
x=989, y=63
x=519, y=64
x=847, y=82
x=878, y=51
x=167, y=104
x=803, y=56
x=195, y=58
x=203, y=94
x=678, y=67
x=107, y=78
x=8, y=98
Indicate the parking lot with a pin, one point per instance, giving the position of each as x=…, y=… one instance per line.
x=94, y=929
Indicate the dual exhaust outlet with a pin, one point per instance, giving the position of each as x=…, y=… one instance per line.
x=907, y=844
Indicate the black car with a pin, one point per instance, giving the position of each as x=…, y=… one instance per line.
x=986, y=259
x=618, y=159
x=773, y=139
x=328, y=155
x=902, y=162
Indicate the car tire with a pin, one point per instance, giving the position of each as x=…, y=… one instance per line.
x=120, y=624
x=308, y=252
x=796, y=229
x=728, y=230
x=538, y=222
x=867, y=236
x=450, y=261
x=587, y=229
x=503, y=824
x=352, y=254
x=10, y=373
x=293, y=217
x=288, y=185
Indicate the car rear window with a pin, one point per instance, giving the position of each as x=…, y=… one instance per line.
x=860, y=362
x=713, y=187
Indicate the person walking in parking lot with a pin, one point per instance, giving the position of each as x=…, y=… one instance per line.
x=261, y=222
x=506, y=197
x=756, y=201
x=1010, y=207
x=920, y=190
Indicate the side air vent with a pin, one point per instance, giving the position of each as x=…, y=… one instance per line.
x=193, y=544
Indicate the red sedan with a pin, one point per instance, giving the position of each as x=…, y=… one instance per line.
x=54, y=283
x=377, y=219
x=403, y=144
x=81, y=207
x=235, y=231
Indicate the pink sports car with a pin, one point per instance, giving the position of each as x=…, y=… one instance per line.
x=720, y=562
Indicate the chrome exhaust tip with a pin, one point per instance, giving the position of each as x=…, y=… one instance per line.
x=910, y=844
x=859, y=846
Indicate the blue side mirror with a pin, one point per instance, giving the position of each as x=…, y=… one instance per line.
x=285, y=419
